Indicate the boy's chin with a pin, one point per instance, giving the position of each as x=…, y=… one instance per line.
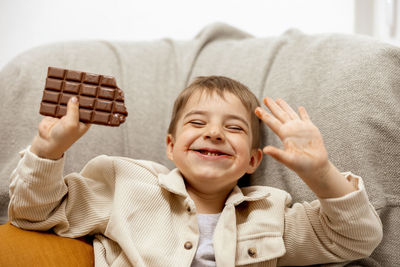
x=211, y=177
x=210, y=185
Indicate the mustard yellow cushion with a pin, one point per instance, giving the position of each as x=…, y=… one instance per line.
x=28, y=248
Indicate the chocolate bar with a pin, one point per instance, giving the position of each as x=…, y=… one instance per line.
x=100, y=99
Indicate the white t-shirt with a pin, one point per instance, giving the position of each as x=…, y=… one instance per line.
x=205, y=256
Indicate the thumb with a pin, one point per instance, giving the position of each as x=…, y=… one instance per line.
x=277, y=154
x=73, y=110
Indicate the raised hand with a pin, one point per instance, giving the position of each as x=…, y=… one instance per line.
x=55, y=136
x=303, y=148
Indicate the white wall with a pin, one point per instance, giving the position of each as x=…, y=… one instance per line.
x=25, y=24
x=379, y=19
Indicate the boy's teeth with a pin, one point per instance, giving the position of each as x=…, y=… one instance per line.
x=210, y=153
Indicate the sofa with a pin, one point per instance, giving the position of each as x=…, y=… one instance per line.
x=350, y=85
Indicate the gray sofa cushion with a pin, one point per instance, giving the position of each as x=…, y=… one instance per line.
x=349, y=84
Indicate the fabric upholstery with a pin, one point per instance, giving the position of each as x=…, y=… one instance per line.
x=349, y=84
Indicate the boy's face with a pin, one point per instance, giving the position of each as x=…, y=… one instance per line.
x=212, y=142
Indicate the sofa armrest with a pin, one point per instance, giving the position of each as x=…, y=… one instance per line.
x=28, y=248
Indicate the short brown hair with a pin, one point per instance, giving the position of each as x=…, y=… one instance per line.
x=219, y=85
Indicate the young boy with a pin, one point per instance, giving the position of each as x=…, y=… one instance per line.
x=143, y=214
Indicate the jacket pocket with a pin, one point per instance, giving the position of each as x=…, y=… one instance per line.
x=259, y=247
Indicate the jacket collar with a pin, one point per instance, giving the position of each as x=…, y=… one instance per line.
x=250, y=193
x=174, y=183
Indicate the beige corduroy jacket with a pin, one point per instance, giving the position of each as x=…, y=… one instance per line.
x=141, y=215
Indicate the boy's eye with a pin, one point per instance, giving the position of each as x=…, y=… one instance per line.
x=197, y=123
x=235, y=128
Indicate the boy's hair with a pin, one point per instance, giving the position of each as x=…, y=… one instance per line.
x=219, y=85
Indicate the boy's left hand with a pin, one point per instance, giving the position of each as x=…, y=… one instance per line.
x=303, y=147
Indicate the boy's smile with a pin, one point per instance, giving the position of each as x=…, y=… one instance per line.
x=212, y=142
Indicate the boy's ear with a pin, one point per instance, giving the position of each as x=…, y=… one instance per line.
x=255, y=160
x=170, y=146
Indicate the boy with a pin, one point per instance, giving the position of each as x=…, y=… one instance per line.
x=143, y=214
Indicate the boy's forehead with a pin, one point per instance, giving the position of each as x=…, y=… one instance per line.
x=204, y=98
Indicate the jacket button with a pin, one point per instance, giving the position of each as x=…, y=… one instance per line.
x=188, y=245
x=252, y=252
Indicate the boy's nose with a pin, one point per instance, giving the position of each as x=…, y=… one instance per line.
x=214, y=134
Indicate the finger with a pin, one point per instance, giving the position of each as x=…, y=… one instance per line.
x=72, y=115
x=278, y=154
x=83, y=128
x=288, y=109
x=276, y=110
x=273, y=123
x=45, y=126
x=303, y=114
x=48, y=121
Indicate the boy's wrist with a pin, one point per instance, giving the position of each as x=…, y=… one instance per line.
x=38, y=148
x=328, y=182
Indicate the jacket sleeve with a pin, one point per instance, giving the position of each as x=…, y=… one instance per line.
x=75, y=205
x=331, y=230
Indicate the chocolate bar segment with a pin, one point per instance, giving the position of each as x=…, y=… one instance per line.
x=100, y=99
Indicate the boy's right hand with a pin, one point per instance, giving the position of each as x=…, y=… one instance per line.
x=55, y=135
